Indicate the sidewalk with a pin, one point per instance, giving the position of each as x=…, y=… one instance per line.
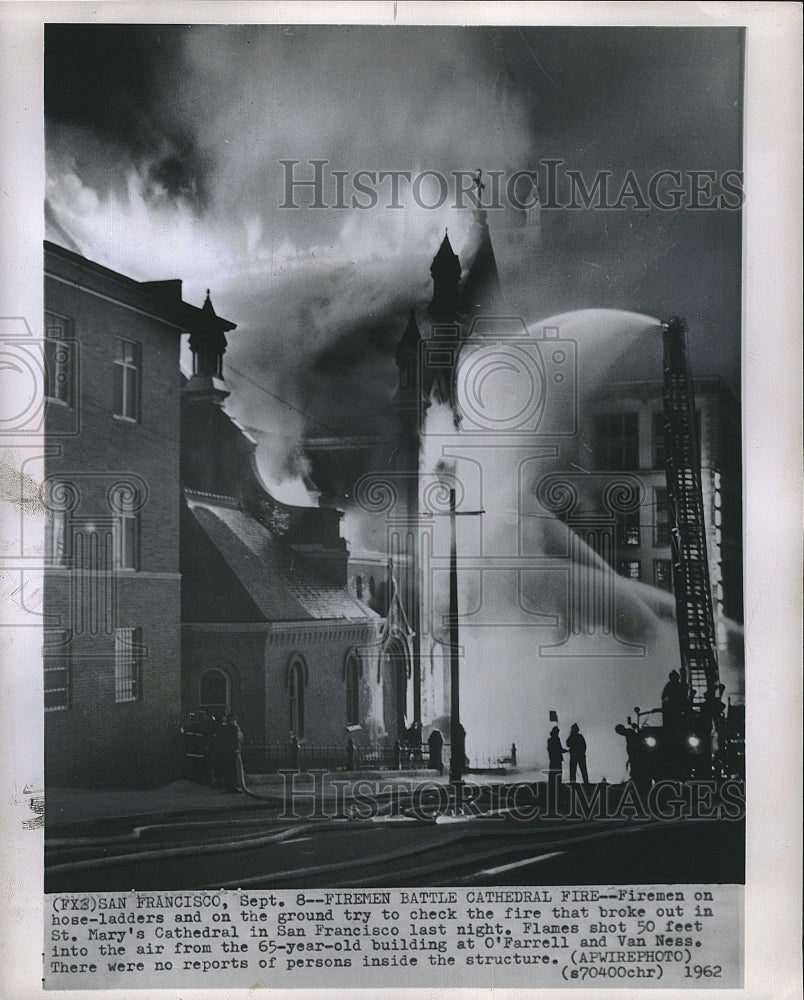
x=84, y=808
x=80, y=809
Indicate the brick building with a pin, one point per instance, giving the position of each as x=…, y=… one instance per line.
x=269, y=629
x=112, y=638
x=173, y=578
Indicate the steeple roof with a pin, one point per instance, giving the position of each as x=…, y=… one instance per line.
x=446, y=260
x=207, y=306
x=212, y=318
x=409, y=341
x=446, y=272
x=481, y=289
x=208, y=342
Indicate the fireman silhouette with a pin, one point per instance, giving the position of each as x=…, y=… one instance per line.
x=674, y=702
x=576, y=745
x=555, y=754
x=638, y=766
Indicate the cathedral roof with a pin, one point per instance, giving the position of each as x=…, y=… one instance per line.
x=282, y=585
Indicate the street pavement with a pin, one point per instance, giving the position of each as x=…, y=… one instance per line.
x=188, y=836
x=72, y=810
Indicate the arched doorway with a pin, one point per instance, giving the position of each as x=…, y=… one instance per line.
x=395, y=689
x=214, y=692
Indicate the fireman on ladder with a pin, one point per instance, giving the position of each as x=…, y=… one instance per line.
x=674, y=702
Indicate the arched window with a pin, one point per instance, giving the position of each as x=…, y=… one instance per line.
x=395, y=689
x=359, y=587
x=296, y=684
x=213, y=691
x=352, y=691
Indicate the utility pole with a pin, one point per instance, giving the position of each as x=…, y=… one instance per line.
x=456, y=760
x=457, y=742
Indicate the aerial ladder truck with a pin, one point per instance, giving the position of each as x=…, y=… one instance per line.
x=701, y=737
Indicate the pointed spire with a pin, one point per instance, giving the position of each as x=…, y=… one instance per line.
x=481, y=290
x=446, y=257
x=408, y=345
x=207, y=307
x=208, y=341
x=446, y=272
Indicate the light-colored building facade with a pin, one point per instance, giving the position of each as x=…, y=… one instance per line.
x=622, y=431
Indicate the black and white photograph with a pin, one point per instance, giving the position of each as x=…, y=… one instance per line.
x=381, y=503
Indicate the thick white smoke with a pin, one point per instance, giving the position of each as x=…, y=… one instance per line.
x=513, y=669
x=294, y=280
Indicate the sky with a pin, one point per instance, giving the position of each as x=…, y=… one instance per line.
x=164, y=150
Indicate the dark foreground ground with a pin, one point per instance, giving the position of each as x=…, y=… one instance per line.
x=243, y=841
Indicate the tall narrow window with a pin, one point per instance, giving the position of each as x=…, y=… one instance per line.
x=58, y=359
x=661, y=518
x=296, y=697
x=127, y=665
x=629, y=568
x=56, y=663
x=352, y=692
x=617, y=441
x=127, y=380
x=628, y=528
x=125, y=540
x=57, y=538
x=663, y=574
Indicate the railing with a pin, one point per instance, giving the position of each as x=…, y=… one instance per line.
x=304, y=757
x=300, y=756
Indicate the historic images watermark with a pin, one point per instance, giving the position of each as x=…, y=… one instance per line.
x=551, y=185
x=304, y=797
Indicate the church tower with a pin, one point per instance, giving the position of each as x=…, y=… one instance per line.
x=208, y=345
x=426, y=357
x=207, y=456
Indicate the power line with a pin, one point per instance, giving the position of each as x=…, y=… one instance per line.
x=279, y=399
x=535, y=58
